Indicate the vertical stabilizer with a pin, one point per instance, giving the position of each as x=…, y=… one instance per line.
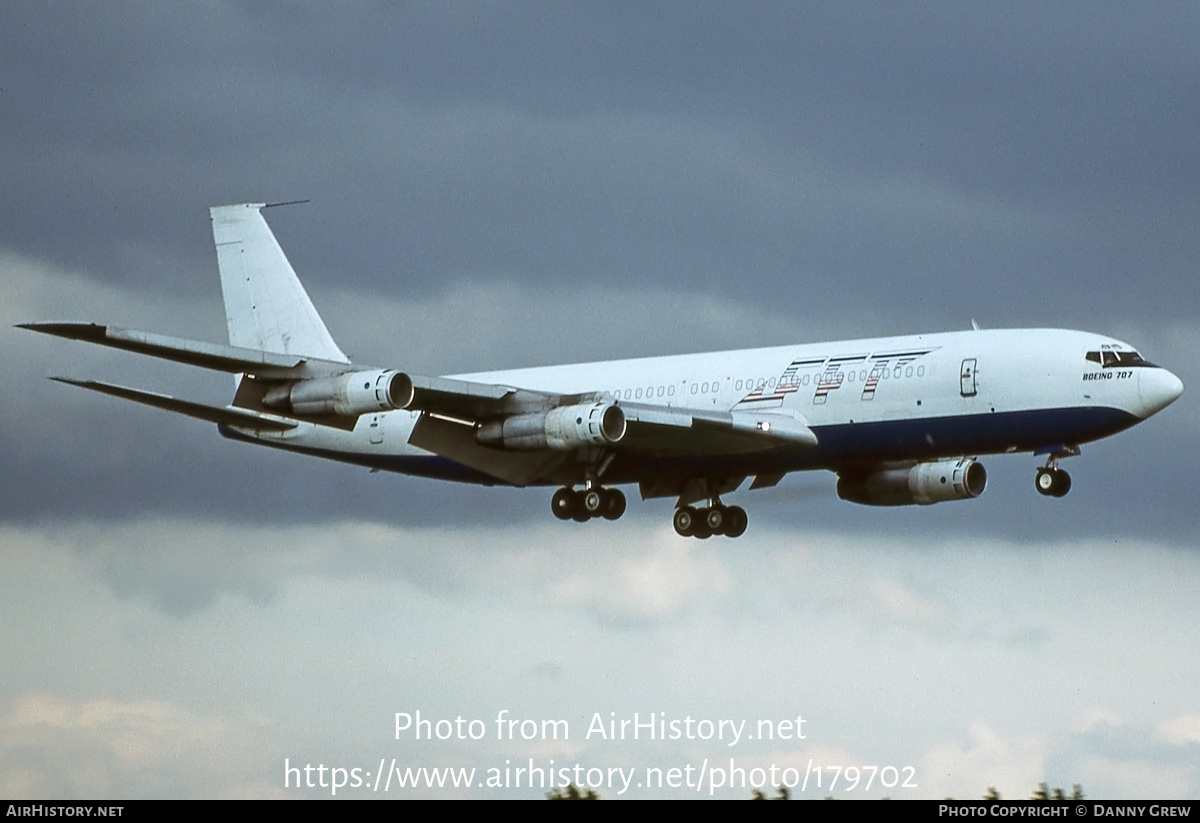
x=266, y=308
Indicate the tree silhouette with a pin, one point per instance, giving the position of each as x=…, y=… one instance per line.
x=1044, y=792
x=571, y=792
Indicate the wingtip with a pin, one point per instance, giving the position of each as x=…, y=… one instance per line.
x=287, y=203
x=93, y=332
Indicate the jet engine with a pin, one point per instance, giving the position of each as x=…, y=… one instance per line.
x=921, y=484
x=350, y=395
x=563, y=428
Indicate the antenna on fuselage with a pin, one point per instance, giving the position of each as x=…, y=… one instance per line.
x=974, y=325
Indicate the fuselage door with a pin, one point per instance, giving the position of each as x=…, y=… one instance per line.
x=967, y=378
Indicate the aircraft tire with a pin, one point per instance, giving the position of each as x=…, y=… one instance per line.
x=563, y=503
x=614, y=504
x=736, y=522
x=1053, y=482
x=1045, y=481
x=685, y=521
x=716, y=519
x=593, y=502
x=1062, y=483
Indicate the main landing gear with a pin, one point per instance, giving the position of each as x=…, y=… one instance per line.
x=1051, y=480
x=593, y=501
x=730, y=521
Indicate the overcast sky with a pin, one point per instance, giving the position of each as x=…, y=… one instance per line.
x=498, y=185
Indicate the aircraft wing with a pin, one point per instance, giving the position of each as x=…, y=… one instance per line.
x=666, y=430
x=232, y=359
x=441, y=395
x=228, y=415
x=682, y=431
x=452, y=418
x=454, y=413
x=469, y=400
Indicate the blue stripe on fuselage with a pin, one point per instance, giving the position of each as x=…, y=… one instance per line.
x=838, y=446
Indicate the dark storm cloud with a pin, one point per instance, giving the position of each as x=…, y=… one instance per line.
x=972, y=157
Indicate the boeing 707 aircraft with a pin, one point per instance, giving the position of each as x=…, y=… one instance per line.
x=900, y=420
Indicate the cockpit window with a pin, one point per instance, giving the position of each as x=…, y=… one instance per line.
x=1110, y=357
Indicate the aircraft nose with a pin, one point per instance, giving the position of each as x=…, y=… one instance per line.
x=1157, y=389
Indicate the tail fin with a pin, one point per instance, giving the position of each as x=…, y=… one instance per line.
x=266, y=308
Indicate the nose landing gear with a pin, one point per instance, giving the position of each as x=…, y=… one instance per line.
x=1051, y=480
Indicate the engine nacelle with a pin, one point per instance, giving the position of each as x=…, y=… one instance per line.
x=346, y=395
x=921, y=484
x=564, y=428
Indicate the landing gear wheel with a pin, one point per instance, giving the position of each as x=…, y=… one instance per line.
x=563, y=503
x=703, y=523
x=1044, y=481
x=593, y=501
x=1063, y=484
x=735, y=521
x=614, y=504
x=715, y=519
x=685, y=521
x=1052, y=482
x=581, y=506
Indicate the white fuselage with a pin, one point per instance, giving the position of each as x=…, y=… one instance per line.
x=869, y=401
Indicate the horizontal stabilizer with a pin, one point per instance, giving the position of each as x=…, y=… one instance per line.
x=232, y=359
x=228, y=415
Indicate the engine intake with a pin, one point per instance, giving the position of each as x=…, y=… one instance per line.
x=350, y=395
x=562, y=429
x=922, y=484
